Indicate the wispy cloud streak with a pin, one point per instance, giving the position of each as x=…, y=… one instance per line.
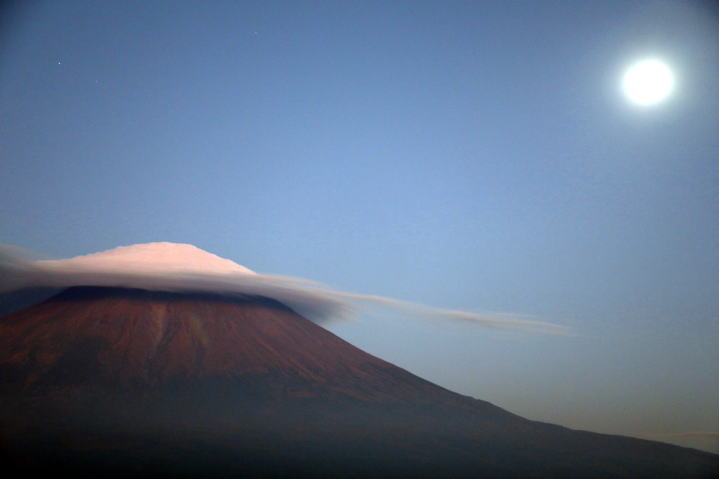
x=310, y=298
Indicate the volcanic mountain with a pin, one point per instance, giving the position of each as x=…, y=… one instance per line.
x=117, y=381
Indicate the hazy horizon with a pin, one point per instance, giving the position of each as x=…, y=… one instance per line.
x=474, y=156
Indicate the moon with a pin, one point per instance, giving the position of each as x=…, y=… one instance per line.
x=648, y=82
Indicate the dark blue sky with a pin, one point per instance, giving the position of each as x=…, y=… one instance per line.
x=469, y=155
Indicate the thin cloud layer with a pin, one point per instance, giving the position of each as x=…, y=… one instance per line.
x=211, y=274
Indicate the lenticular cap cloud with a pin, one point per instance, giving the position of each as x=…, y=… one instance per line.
x=186, y=268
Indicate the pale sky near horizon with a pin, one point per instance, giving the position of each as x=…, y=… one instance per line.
x=466, y=155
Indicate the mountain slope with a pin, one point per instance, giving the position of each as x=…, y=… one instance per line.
x=122, y=380
x=145, y=340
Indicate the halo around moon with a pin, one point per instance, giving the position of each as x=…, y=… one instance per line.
x=648, y=82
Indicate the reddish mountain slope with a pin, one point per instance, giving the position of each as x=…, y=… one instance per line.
x=101, y=380
x=143, y=340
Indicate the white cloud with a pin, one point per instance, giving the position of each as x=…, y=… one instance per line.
x=184, y=268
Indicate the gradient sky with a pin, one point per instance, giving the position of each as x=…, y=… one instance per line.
x=469, y=155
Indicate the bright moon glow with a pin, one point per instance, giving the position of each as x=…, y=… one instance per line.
x=648, y=82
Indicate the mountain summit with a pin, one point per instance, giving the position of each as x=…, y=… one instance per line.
x=119, y=382
x=160, y=266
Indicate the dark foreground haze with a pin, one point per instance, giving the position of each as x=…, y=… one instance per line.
x=127, y=382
